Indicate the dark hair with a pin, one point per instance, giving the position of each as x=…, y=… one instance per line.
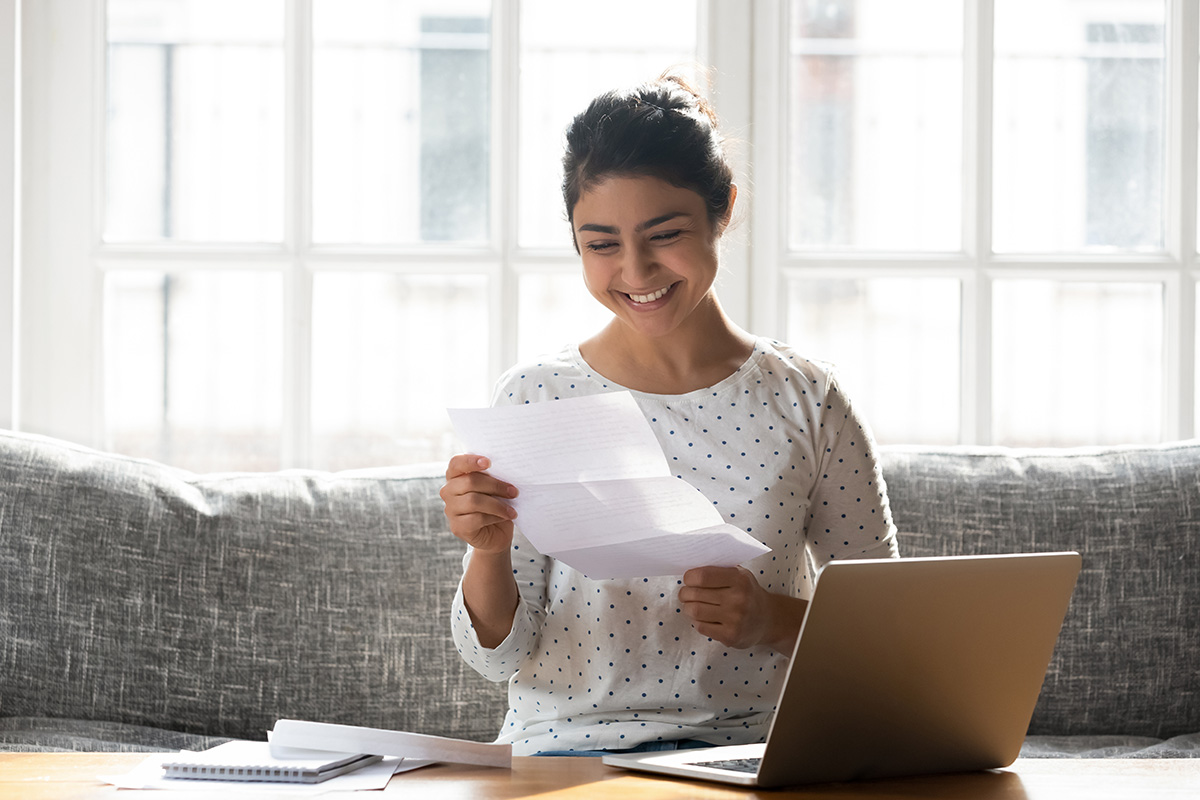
x=662, y=128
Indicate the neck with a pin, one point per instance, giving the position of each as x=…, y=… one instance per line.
x=703, y=352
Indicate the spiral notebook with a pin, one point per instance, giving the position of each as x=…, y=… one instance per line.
x=252, y=761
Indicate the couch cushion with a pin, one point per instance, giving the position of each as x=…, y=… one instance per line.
x=1126, y=662
x=42, y=734
x=135, y=593
x=1111, y=747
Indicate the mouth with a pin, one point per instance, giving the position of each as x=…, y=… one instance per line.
x=644, y=299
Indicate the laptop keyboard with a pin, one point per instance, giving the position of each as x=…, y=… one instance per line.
x=735, y=764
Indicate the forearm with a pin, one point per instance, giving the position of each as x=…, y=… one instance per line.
x=490, y=595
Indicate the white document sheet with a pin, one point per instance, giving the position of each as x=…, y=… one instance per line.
x=148, y=774
x=596, y=491
x=289, y=735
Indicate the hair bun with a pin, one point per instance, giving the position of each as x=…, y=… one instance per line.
x=662, y=128
x=673, y=75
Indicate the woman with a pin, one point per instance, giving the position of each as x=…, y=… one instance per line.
x=658, y=663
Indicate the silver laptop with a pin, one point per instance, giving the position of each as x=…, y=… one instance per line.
x=902, y=667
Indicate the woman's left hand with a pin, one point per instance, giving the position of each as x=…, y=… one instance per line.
x=729, y=605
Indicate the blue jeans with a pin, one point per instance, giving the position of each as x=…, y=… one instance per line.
x=644, y=747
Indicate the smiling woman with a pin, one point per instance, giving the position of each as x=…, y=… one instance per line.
x=649, y=191
x=763, y=433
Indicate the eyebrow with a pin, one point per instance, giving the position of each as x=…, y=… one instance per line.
x=650, y=223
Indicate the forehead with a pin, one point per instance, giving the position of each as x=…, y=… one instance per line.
x=634, y=198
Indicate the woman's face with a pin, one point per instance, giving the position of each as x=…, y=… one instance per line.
x=649, y=252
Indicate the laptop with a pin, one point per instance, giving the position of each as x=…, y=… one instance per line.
x=902, y=667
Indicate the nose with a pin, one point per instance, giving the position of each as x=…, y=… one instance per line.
x=640, y=264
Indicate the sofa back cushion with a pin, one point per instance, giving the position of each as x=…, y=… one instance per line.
x=215, y=604
x=133, y=592
x=1126, y=661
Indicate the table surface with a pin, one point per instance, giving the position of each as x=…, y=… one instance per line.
x=73, y=775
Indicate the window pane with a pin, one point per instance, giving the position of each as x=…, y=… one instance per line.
x=194, y=131
x=556, y=310
x=193, y=368
x=390, y=354
x=571, y=52
x=895, y=342
x=1080, y=125
x=875, y=139
x=1076, y=363
x=401, y=109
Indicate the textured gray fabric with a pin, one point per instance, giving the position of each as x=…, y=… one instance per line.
x=132, y=592
x=39, y=734
x=143, y=607
x=1126, y=662
x=1111, y=747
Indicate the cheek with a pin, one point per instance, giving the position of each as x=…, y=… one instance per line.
x=700, y=265
x=595, y=278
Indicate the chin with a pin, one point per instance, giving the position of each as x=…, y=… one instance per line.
x=649, y=331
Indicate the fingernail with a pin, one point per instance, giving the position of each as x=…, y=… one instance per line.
x=482, y=462
x=512, y=491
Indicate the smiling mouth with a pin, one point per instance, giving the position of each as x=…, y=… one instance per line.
x=642, y=299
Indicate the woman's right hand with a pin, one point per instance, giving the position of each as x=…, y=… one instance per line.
x=476, y=504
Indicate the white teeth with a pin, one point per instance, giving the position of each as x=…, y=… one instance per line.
x=646, y=298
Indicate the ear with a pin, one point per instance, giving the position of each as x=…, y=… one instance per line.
x=728, y=215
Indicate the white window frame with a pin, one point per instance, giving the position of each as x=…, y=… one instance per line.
x=57, y=356
x=976, y=266
x=64, y=393
x=10, y=207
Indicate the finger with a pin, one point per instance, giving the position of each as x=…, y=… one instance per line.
x=482, y=482
x=476, y=503
x=477, y=482
x=703, y=613
x=711, y=577
x=695, y=594
x=466, y=463
x=712, y=631
x=469, y=526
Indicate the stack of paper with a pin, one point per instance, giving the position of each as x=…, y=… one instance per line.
x=307, y=758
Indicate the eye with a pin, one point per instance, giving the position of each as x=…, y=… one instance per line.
x=600, y=247
x=665, y=236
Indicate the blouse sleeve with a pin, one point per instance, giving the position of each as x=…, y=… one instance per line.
x=529, y=572
x=849, y=512
x=501, y=661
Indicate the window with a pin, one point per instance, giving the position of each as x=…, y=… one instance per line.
x=290, y=233
x=988, y=215
x=400, y=122
x=323, y=222
x=875, y=126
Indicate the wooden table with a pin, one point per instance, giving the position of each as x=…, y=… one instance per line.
x=26, y=776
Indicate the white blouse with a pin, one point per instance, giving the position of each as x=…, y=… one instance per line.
x=610, y=664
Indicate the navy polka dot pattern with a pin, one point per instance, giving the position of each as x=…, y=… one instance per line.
x=610, y=664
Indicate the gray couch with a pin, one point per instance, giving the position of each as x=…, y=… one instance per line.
x=144, y=607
